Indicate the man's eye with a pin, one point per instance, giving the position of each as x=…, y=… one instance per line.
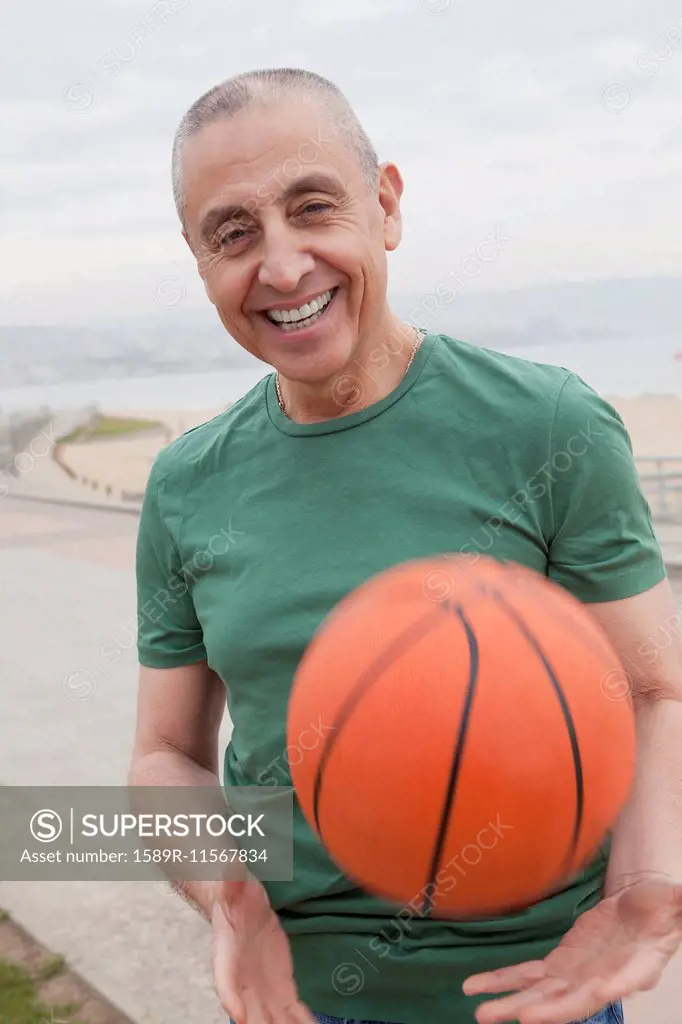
x=316, y=207
x=231, y=237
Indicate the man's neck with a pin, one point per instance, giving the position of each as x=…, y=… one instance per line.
x=376, y=367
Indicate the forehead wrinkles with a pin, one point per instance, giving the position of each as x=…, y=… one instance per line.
x=212, y=170
x=240, y=162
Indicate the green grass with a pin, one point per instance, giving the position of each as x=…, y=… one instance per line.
x=110, y=426
x=19, y=1003
x=54, y=966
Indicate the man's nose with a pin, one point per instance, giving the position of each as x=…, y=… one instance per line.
x=285, y=261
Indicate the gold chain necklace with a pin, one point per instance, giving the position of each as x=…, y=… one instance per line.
x=421, y=334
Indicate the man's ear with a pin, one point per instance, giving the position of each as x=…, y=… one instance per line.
x=390, y=191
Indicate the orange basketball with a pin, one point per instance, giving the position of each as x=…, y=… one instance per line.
x=478, y=741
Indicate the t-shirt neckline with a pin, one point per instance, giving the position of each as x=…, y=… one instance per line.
x=353, y=419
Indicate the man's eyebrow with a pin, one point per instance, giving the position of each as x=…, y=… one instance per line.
x=235, y=211
x=314, y=182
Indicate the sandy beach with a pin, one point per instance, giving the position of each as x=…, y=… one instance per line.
x=123, y=464
x=654, y=423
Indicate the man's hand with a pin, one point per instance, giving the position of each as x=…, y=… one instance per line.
x=618, y=948
x=252, y=966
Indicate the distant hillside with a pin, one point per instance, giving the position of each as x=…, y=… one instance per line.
x=194, y=341
x=650, y=308
x=51, y=355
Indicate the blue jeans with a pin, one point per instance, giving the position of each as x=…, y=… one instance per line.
x=612, y=1014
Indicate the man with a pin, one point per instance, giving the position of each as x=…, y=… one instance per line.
x=373, y=444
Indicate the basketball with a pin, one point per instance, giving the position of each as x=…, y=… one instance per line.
x=478, y=740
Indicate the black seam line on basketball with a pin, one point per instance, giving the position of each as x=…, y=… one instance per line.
x=402, y=643
x=570, y=726
x=456, y=765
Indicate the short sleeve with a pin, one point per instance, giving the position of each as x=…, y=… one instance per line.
x=603, y=546
x=169, y=633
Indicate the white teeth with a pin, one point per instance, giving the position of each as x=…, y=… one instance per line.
x=305, y=312
x=301, y=323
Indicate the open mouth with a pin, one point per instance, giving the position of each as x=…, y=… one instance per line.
x=305, y=316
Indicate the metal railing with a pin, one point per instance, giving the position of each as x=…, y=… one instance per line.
x=661, y=480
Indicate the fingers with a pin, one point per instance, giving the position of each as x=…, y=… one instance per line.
x=578, y=1005
x=516, y=1006
x=558, y=1001
x=225, y=967
x=297, y=1015
x=506, y=979
x=641, y=974
x=252, y=990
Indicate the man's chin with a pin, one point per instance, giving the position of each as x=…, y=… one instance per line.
x=313, y=363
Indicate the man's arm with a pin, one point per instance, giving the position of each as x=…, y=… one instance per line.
x=645, y=632
x=179, y=712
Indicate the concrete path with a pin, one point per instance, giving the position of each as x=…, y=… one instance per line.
x=41, y=479
x=67, y=719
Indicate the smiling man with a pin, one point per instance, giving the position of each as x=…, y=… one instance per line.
x=370, y=445
x=321, y=309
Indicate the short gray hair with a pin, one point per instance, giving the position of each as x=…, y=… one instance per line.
x=263, y=87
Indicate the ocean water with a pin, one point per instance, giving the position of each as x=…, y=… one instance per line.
x=169, y=391
x=624, y=367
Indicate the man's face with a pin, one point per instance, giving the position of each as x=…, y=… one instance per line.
x=289, y=238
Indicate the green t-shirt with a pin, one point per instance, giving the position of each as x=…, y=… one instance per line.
x=270, y=523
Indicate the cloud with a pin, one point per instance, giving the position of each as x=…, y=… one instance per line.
x=543, y=118
x=315, y=13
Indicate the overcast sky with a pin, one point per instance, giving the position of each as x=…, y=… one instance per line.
x=558, y=125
